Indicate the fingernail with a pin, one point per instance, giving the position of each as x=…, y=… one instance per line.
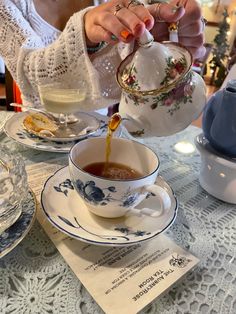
x=113, y=37
x=138, y=28
x=147, y=22
x=125, y=34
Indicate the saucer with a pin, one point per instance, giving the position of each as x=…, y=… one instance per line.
x=68, y=213
x=86, y=125
x=12, y=236
x=15, y=130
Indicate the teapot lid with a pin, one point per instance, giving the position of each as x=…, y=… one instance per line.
x=154, y=67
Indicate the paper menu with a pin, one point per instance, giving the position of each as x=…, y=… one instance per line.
x=120, y=279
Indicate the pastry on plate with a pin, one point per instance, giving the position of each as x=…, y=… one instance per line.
x=38, y=122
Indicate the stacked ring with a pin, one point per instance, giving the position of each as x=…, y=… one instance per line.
x=157, y=13
x=118, y=7
x=134, y=3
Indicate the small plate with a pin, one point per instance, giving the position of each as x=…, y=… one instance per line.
x=84, y=127
x=11, y=237
x=14, y=129
x=68, y=213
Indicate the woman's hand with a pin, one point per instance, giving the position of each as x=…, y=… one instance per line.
x=190, y=26
x=117, y=20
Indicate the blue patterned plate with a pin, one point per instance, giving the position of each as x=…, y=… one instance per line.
x=14, y=234
x=15, y=130
x=68, y=213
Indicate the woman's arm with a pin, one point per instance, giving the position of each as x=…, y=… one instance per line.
x=31, y=63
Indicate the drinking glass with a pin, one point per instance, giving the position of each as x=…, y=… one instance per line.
x=13, y=187
x=64, y=100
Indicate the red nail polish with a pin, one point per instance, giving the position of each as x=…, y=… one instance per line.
x=147, y=22
x=125, y=34
x=130, y=37
x=138, y=28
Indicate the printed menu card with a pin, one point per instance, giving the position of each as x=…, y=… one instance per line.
x=120, y=279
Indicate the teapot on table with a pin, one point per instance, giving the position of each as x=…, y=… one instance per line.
x=219, y=120
x=161, y=95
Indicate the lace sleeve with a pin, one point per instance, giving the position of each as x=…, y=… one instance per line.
x=31, y=63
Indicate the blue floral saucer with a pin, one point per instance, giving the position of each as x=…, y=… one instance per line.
x=67, y=212
x=11, y=237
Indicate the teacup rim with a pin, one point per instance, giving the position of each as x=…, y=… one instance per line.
x=109, y=179
x=157, y=91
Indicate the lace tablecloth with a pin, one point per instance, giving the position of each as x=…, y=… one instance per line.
x=35, y=278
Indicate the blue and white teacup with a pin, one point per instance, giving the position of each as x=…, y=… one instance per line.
x=113, y=198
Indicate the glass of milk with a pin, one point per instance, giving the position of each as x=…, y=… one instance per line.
x=62, y=100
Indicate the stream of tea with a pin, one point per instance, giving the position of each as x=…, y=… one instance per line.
x=108, y=169
x=113, y=124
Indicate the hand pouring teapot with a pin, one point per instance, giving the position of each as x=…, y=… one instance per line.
x=161, y=95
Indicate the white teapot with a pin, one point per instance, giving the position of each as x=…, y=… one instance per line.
x=161, y=95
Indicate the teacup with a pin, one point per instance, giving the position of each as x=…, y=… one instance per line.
x=13, y=187
x=112, y=197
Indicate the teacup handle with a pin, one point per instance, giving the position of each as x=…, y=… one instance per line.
x=162, y=196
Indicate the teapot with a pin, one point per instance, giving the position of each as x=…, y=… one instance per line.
x=219, y=120
x=161, y=95
x=217, y=144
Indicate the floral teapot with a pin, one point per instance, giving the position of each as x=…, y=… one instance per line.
x=161, y=95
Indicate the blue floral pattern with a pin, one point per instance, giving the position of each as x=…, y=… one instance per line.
x=92, y=193
x=14, y=234
x=122, y=229
x=64, y=186
x=128, y=231
x=89, y=191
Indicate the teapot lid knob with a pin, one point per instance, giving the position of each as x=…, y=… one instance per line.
x=146, y=39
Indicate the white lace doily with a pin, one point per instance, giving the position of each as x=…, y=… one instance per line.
x=35, y=278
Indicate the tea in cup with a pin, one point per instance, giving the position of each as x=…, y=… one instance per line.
x=111, y=189
x=13, y=187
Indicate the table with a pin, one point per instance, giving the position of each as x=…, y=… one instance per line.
x=35, y=278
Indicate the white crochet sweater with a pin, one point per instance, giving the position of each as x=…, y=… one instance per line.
x=35, y=53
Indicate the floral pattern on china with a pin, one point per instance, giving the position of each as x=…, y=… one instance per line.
x=174, y=68
x=161, y=95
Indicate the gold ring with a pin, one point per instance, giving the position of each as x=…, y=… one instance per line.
x=118, y=7
x=134, y=3
x=157, y=13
